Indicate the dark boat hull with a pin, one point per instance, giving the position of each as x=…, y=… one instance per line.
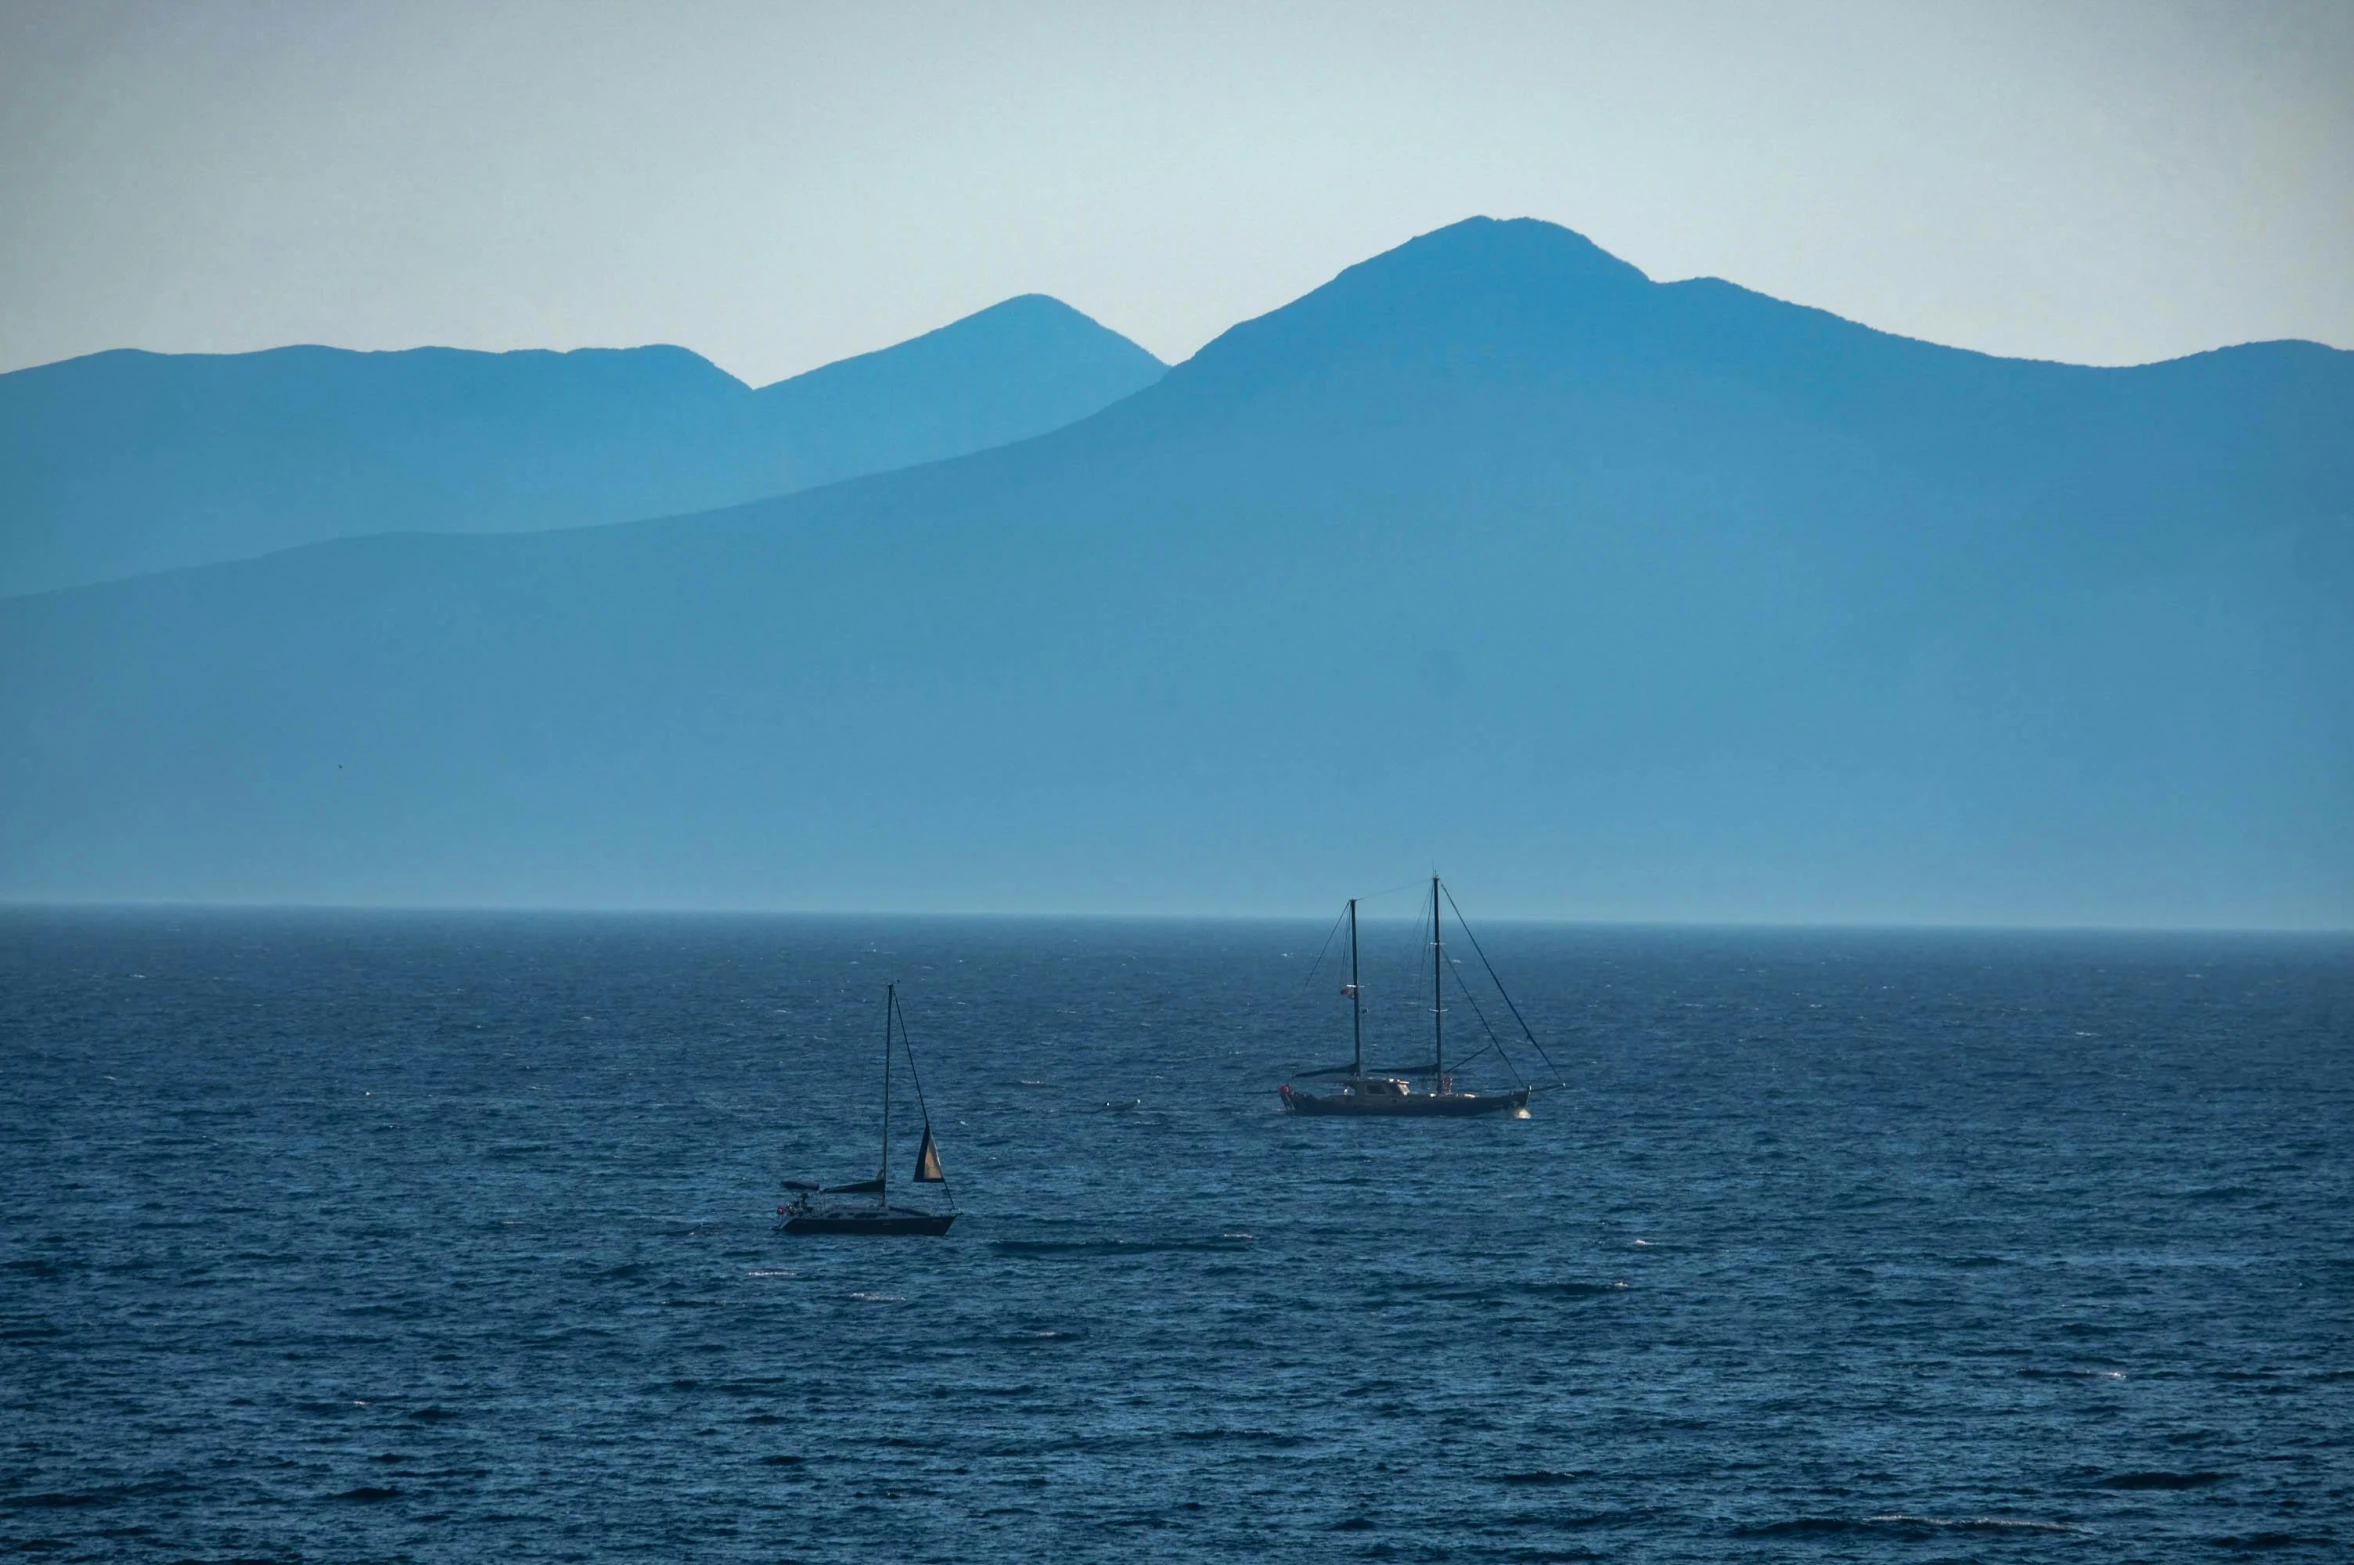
x=1421, y=1105
x=887, y=1225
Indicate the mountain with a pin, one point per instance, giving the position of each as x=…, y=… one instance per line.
x=126, y=462
x=1015, y=370
x=1612, y=598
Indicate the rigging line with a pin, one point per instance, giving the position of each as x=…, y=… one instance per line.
x=1465, y=924
x=1400, y=963
x=1390, y=968
x=1457, y=1065
x=1409, y=957
x=1457, y=975
x=926, y=1109
x=1320, y=950
x=1494, y=1042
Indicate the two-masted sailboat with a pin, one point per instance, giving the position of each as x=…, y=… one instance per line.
x=865, y=1207
x=1393, y=1091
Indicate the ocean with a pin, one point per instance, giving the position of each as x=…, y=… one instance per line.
x=370, y=1236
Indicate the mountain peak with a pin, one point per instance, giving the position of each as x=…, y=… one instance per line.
x=1525, y=249
x=1025, y=327
x=1483, y=262
x=1034, y=310
x=1019, y=368
x=1496, y=287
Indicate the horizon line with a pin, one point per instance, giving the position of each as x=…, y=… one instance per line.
x=16, y=905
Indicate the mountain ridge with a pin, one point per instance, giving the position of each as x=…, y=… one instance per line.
x=1635, y=630
x=128, y=461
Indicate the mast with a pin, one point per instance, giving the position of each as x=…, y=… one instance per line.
x=1438, y=990
x=1356, y=994
x=883, y=1179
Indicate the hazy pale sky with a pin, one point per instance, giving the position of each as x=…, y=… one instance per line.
x=776, y=185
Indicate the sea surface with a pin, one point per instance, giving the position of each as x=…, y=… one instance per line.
x=352, y=1237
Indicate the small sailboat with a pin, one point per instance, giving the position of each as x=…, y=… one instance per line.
x=865, y=1207
x=1390, y=1092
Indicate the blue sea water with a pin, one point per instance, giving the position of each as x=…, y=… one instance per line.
x=385, y=1237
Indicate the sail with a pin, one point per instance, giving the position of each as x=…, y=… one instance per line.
x=927, y=1162
x=863, y=1187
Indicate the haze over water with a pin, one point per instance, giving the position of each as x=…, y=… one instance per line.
x=437, y=1237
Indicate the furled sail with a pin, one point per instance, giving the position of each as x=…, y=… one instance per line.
x=927, y=1162
x=863, y=1187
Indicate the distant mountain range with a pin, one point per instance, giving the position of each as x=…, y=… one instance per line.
x=1611, y=598
x=126, y=462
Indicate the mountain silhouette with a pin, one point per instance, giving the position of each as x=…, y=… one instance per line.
x=127, y=462
x=1615, y=598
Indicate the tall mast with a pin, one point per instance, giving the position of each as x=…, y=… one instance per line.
x=1438, y=989
x=1356, y=994
x=890, y=1009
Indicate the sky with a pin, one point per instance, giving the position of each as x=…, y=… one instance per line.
x=777, y=186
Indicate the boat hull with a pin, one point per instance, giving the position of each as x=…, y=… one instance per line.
x=881, y=1225
x=1420, y=1105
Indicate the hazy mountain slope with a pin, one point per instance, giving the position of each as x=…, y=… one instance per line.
x=1611, y=598
x=127, y=462
x=1014, y=370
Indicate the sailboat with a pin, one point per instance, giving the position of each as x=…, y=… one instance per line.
x=846, y=1209
x=1391, y=1092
